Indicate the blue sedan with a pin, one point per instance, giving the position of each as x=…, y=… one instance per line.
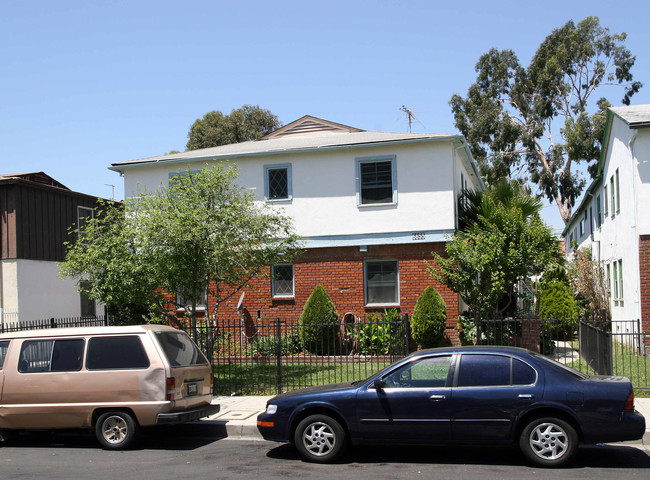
x=471, y=395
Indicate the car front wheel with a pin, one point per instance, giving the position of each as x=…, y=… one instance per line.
x=320, y=439
x=549, y=442
x=116, y=430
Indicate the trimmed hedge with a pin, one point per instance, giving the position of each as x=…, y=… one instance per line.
x=429, y=318
x=319, y=323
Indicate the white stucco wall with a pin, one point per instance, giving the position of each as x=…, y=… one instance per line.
x=32, y=288
x=324, y=202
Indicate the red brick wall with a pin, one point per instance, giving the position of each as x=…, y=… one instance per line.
x=644, y=271
x=340, y=271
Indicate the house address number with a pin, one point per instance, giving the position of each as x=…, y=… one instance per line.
x=418, y=236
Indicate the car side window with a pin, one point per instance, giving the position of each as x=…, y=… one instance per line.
x=48, y=355
x=494, y=370
x=429, y=372
x=484, y=371
x=4, y=345
x=116, y=353
x=522, y=374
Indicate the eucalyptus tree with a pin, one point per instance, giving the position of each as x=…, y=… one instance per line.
x=535, y=124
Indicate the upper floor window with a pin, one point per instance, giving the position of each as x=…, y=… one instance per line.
x=84, y=215
x=282, y=280
x=599, y=213
x=381, y=281
x=376, y=181
x=606, y=201
x=277, y=182
x=612, y=196
x=618, y=194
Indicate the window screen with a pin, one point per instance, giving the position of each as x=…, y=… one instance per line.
x=114, y=353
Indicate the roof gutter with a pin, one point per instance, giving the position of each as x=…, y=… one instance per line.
x=120, y=167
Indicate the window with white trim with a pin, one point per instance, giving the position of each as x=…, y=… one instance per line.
x=282, y=280
x=381, y=282
x=376, y=180
x=612, y=194
x=277, y=182
x=618, y=194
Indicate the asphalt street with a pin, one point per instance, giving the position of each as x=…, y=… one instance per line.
x=175, y=452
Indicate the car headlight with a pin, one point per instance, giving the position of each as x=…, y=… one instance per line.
x=271, y=409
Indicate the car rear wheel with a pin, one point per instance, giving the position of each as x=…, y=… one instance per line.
x=116, y=430
x=549, y=442
x=320, y=439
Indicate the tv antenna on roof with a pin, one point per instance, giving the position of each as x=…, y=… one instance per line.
x=411, y=116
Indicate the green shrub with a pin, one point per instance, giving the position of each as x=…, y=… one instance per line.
x=380, y=334
x=267, y=345
x=429, y=318
x=319, y=323
x=558, y=303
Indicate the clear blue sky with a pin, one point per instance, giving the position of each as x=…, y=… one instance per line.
x=85, y=83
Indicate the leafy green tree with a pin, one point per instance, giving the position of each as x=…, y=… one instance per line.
x=429, y=318
x=246, y=123
x=202, y=234
x=510, y=114
x=501, y=246
x=319, y=323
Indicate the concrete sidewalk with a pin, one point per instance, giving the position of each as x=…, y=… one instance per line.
x=238, y=418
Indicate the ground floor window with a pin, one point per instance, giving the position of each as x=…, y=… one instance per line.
x=282, y=280
x=381, y=282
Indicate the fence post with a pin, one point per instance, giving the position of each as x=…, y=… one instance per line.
x=407, y=328
x=52, y=323
x=278, y=353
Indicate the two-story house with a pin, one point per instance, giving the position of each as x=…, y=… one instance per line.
x=370, y=208
x=37, y=212
x=613, y=219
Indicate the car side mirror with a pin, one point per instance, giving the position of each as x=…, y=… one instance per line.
x=379, y=384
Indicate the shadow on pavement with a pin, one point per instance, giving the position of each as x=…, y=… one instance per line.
x=614, y=456
x=172, y=437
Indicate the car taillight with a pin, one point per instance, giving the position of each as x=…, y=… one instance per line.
x=211, y=384
x=171, y=388
x=629, y=405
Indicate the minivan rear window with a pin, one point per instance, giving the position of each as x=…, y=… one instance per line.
x=116, y=353
x=180, y=350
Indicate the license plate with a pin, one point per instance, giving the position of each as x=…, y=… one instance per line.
x=192, y=389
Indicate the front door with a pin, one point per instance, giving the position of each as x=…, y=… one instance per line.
x=413, y=404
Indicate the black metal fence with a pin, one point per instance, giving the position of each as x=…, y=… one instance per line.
x=279, y=356
x=96, y=321
x=588, y=345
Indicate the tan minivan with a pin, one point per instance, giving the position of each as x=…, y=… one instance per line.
x=110, y=379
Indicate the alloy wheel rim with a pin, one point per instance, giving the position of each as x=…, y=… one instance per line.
x=115, y=429
x=319, y=439
x=548, y=441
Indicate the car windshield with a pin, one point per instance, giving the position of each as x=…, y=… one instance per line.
x=559, y=366
x=181, y=351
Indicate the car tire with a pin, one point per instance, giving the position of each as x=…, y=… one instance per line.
x=116, y=430
x=320, y=439
x=549, y=442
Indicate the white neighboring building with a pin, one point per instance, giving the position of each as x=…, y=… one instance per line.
x=614, y=217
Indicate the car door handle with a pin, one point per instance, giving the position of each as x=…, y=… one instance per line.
x=526, y=396
x=435, y=398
